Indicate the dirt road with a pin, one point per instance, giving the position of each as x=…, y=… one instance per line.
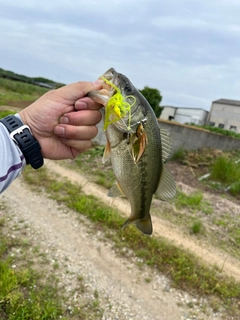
x=211, y=255
x=125, y=292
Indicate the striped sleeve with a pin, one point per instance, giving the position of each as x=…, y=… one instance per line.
x=12, y=160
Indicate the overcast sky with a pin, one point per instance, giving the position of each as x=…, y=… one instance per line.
x=187, y=49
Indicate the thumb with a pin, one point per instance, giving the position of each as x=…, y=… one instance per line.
x=79, y=89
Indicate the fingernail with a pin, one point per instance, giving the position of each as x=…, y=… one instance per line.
x=80, y=105
x=98, y=82
x=59, y=130
x=64, y=120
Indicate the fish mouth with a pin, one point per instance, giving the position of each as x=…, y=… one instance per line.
x=111, y=75
x=113, y=83
x=118, y=80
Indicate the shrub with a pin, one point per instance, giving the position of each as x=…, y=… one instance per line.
x=225, y=170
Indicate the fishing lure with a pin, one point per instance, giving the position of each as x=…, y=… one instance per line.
x=117, y=107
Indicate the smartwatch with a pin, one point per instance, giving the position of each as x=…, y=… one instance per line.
x=22, y=136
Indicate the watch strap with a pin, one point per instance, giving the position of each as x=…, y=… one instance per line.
x=22, y=136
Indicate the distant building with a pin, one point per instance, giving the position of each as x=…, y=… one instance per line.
x=185, y=115
x=225, y=114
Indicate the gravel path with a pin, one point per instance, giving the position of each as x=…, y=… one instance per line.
x=125, y=291
x=211, y=255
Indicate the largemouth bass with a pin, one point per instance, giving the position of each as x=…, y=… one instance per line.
x=137, y=147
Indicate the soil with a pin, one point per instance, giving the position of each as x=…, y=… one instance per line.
x=126, y=292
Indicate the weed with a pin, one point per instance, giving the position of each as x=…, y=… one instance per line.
x=179, y=154
x=219, y=130
x=96, y=294
x=194, y=202
x=220, y=222
x=5, y=113
x=28, y=294
x=16, y=90
x=80, y=278
x=197, y=227
x=225, y=170
x=236, y=235
x=99, y=173
x=186, y=271
x=2, y=222
x=22, y=295
x=55, y=265
x=235, y=188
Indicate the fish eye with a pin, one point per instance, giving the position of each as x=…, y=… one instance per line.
x=127, y=87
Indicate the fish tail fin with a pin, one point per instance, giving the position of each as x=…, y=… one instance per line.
x=144, y=225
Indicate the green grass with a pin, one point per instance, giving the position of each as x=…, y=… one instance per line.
x=103, y=174
x=197, y=227
x=6, y=74
x=11, y=90
x=5, y=113
x=179, y=155
x=194, y=202
x=235, y=188
x=185, y=210
x=224, y=132
x=29, y=289
x=227, y=171
x=24, y=293
x=90, y=164
x=186, y=271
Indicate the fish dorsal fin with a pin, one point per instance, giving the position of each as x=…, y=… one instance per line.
x=166, y=144
x=106, y=153
x=115, y=191
x=166, y=189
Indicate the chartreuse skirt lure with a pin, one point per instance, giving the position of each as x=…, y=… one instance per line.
x=117, y=107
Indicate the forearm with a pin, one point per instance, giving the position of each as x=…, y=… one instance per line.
x=11, y=159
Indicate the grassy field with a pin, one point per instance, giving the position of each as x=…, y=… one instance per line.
x=11, y=90
x=29, y=286
x=20, y=299
x=5, y=113
x=24, y=294
x=224, y=132
x=186, y=271
x=193, y=211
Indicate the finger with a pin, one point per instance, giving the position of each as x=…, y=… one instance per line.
x=78, y=145
x=87, y=103
x=76, y=132
x=81, y=118
x=77, y=90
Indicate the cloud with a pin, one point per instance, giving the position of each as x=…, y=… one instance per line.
x=188, y=49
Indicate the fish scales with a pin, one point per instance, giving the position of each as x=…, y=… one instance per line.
x=134, y=145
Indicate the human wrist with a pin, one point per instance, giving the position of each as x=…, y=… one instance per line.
x=22, y=136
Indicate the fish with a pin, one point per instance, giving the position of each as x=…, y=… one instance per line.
x=137, y=147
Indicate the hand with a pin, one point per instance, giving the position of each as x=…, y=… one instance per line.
x=64, y=120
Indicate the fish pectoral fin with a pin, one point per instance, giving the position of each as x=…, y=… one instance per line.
x=144, y=225
x=166, y=189
x=165, y=144
x=138, y=143
x=115, y=191
x=106, y=153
